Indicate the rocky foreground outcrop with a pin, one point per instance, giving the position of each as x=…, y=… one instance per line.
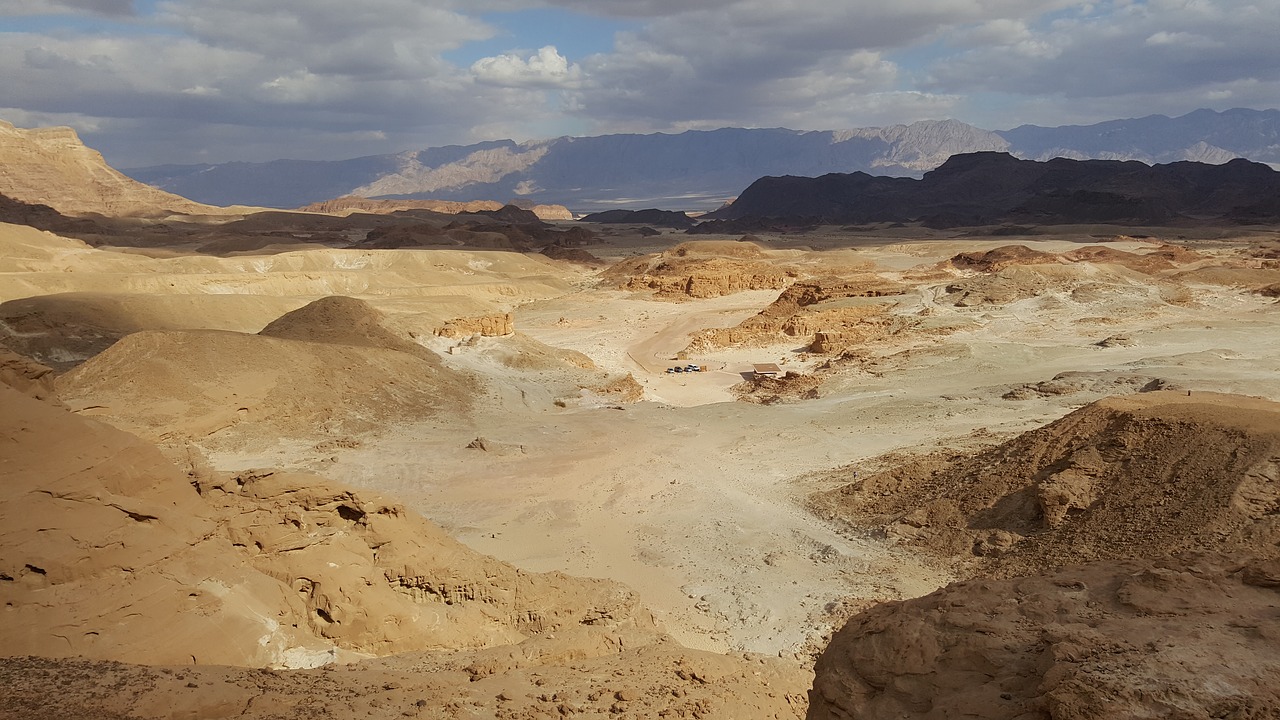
x=1135, y=476
x=1140, y=539
x=1187, y=637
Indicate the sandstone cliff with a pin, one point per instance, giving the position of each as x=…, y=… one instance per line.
x=51, y=166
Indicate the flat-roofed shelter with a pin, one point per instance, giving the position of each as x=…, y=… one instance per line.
x=764, y=370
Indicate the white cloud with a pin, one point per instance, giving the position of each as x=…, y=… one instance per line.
x=545, y=69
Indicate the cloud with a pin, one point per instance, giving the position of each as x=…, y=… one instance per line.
x=803, y=63
x=545, y=69
x=242, y=79
x=374, y=38
x=109, y=8
x=1179, y=47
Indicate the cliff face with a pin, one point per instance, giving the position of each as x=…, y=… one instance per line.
x=50, y=166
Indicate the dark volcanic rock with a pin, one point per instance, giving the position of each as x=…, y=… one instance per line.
x=988, y=188
x=661, y=218
x=510, y=214
x=749, y=225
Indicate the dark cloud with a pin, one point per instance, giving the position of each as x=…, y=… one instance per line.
x=241, y=79
x=1160, y=47
x=106, y=8
x=101, y=7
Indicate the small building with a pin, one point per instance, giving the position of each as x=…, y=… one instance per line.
x=766, y=370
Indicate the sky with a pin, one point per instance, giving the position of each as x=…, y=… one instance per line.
x=150, y=82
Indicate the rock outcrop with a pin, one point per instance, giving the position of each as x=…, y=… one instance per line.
x=837, y=309
x=485, y=326
x=26, y=375
x=659, y=218
x=700, y=270
x=1188, y=637
x=1135, y=476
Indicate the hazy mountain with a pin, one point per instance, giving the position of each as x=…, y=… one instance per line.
x=700, y=169
x=1201, y=136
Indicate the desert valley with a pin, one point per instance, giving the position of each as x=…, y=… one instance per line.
x=1001, y=442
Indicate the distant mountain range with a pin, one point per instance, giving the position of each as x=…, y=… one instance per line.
x=698, y=170
x=988, y=188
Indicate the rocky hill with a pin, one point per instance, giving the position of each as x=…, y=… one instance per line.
x=698, y=170
x=988, y=188
x=1135, y=476
x=51, y=167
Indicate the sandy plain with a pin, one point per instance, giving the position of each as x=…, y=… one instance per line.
x=692, y=497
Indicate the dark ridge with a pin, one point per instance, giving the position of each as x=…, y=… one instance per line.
x=652, y=216
x=989, y=188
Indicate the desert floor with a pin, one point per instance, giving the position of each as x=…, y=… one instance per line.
x=696, y=500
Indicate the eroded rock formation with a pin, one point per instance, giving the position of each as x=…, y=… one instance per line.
x=1189, y=637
